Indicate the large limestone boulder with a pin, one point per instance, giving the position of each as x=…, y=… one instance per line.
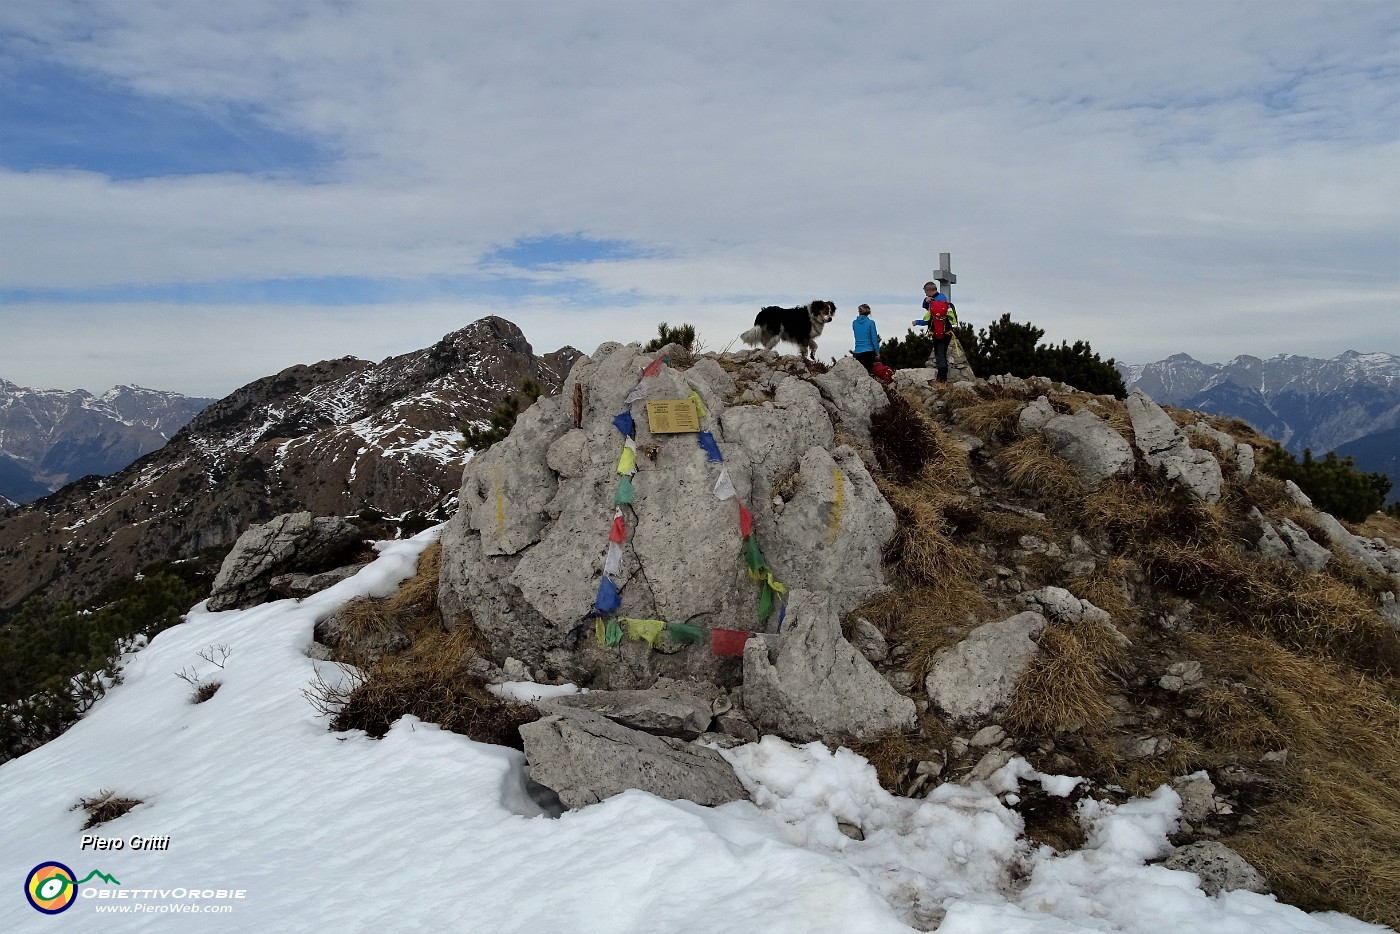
x=524, y=554
x=1095, y=451
x=810, y=683
x=1164, y=445
x=854, y=394
x=291, y=542
x=585, y=758
x=977, y=677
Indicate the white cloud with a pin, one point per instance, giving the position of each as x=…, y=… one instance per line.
x=1153, y=179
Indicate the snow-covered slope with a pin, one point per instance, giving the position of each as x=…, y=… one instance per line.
x=265, y=821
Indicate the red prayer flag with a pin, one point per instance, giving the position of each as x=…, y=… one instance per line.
x=618, y=533
x=653, y=367
x=745, y=522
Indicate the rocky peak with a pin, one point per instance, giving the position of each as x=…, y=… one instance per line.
x=332, y=438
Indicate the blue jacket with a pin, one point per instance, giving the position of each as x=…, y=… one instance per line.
x=867, y=338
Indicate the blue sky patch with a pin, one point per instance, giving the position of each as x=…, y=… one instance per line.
x=331, y=292
x=52, y=117
x=564, y=249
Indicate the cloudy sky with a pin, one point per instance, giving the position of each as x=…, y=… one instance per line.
x=194, y=195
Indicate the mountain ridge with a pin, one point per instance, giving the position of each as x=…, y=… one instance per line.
x=1301, y=402
x=50, y=437
x=334, y=437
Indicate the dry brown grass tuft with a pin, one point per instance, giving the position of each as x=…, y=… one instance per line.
x=1237, y=722
x=432, y=680
x=104, y=806
x=894, y=757
x=905, y=439
x=1107, y=589
x=1332, y=840
x=1033, y=468
x=1383, y=526
x=418, y=596
x=1144, y=776
x=204, y=691
x=990, y=418
x=1006, y=528
x=936, y=616
x=1182, y=417
x=1063, y=690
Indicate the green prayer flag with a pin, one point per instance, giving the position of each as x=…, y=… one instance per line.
x=754, y=558
x=624, y=491
x=765, y=602
x=685, y=634
x=613, y=633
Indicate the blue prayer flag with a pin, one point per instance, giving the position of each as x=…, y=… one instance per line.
x=608, y=598
x=710, y=447
x=625, y=424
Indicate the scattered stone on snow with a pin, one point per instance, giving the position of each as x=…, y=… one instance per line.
x=649, y=711
x=1220, y=868
x=585, y=758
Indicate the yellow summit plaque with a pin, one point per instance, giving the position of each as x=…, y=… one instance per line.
x=672, y=416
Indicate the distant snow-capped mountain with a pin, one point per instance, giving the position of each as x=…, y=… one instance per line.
x=1302, y=401
x=50, y=437
x=332, y=437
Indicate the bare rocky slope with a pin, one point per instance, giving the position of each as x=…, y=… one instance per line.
x=963, y=574
x=333, y=438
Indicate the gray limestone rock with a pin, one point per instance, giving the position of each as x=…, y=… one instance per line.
x=1164, y=445
x=1094, y=450
x=855, y=395
x=1362, y=550
x=869, y=640
x=1034, y=416
x=300, y=585
x=1266, y=538
x=1220, y=868
x=1390, y=609
x=290, y=542
x=585, y=758
x=810, y=683
x=1307, y=554
x=976, y=677
x=1059, y=604
x=648, y=711
x=828, y=532
x=1197, y=794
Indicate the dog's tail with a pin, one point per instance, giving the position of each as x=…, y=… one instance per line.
x=753, y=336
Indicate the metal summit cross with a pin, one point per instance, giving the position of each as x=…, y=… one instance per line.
x=945, y=274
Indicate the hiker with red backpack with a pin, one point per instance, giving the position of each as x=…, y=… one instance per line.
x=940, y=317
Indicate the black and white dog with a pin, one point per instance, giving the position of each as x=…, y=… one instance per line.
x=801, y=326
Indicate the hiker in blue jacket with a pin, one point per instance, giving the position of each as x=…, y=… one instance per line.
x=867, y=339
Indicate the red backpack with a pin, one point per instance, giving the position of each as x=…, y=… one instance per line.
x=938, y=319
x=881, y=372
